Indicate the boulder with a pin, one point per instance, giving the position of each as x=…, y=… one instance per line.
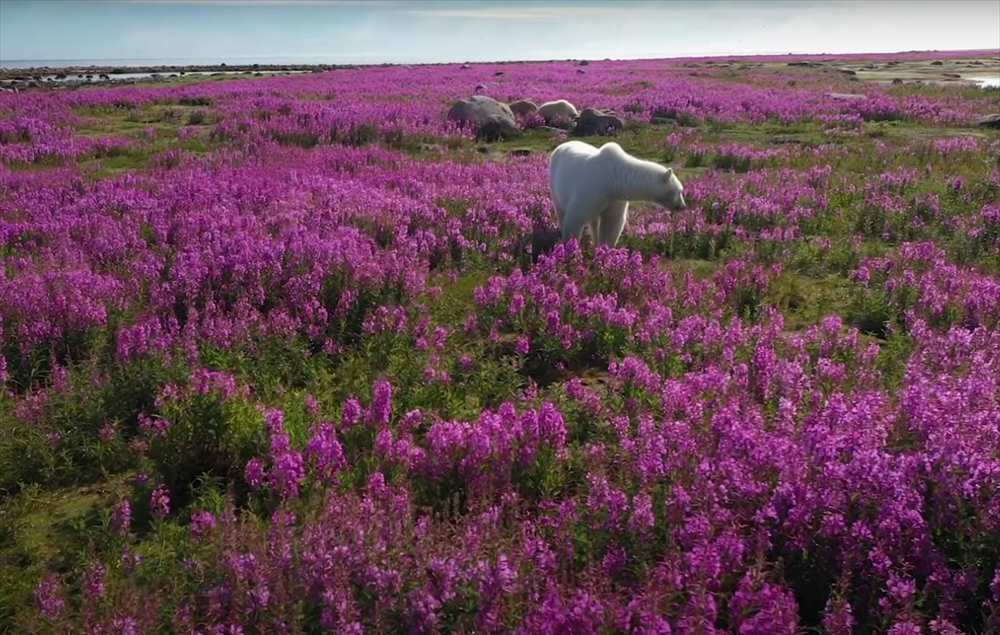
x=523, y=107
x=847, y=96
x=595, y=122
x=937, y=63
x=990, y=121
x=490, y=118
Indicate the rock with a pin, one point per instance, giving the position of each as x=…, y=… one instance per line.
x=490, y=118
x=523, y=107
x=498, y=74
x=952, y=75
x=937, y=63
x=809, y=64
x=580, y=71
x=480, y=87
x=465, y=67
x=990, y=121
x=559, y=113
x=594, y=122
x=520, y=152
x=584, y=63
x=896, y=80
x=846, y=96
x=847, y=71
x=672, y=114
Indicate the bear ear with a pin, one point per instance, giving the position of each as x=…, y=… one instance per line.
x=669, y=173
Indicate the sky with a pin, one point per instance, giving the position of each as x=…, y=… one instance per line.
x=373, y=31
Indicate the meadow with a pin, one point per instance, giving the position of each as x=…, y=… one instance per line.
x=294, y=354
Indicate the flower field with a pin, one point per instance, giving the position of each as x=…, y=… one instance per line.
x=297, y=354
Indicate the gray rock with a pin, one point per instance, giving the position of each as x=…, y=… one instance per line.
x=847, y=96
x=490, y=118
x=595, y=122
x=937, y=63
x=990, y=121
x=523, y=107
x=847, y=71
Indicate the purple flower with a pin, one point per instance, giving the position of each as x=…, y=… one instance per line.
x=324, y=452
x=351, y=413
x=94, y=581
x=159, y=503
x=48, y=596
x=380, y=410
x=202, y=522
x=254, y=473
x=121, y=517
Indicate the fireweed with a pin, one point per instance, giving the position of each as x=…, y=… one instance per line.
x=342, y=383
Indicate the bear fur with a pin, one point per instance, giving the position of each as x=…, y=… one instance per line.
x=558, y=113
x=522, y=107
x=592, y=186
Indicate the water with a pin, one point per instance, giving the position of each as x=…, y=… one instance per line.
x=75, y=77
x=169, y=61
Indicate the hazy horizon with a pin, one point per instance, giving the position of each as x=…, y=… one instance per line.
x=390, y=31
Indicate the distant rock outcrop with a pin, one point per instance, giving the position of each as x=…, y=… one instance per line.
x=490, y=118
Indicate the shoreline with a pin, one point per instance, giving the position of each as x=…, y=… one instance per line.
x=944, y=67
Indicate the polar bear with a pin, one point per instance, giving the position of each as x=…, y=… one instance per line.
x=593, y=187
x=558, y=112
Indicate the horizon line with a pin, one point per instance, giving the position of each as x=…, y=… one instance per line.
x=223, y=60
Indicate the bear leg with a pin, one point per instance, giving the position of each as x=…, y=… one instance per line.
x=613, y=220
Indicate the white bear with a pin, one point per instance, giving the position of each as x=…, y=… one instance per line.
x=591, y=186
x=558, y=112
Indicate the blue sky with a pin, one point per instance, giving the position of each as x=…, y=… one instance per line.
x=397, y=31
